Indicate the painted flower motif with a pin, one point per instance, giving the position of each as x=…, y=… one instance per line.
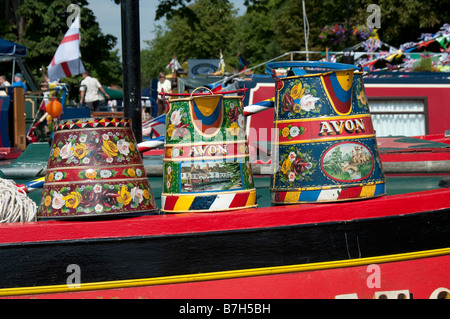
x=146, y=194
x=48, y=201
x=59, y=176
x=233, y=115
x=56, y=152
x=67, y=151
x=58, y=202
x=233, y=129
x=241, y=121
x=286, y=166
x=123, y=147
x=296, y=165
x=131, y=172
x=288, y=102
x=137, y=194
x=109, y=148
x=175, y=118
x=295, y=131
x=175, y=152
x=308, y=102
x=98, y=208
x=97, y=188
x=91, y=174
x=362, y=97
x=291, y=176
x=285, y=132
x=170, y=130
x=106, y=173
x=299, y=166
x=292, y=156
x=296, y=91
x=124, y=197
x=73, y=199
x=180, y=131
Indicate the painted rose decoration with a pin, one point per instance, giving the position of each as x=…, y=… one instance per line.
x=308, y=102
x=296, y=166
x=95, y=171
x=93, y=148
x=178, y=127
x=298, y=98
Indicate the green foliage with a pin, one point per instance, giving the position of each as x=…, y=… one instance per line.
x=270, y=28
x=188, y=37
x=425, y=65
x=40, y=25
x=196, y=29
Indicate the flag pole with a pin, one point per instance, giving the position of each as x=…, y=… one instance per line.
x=79, y=32
x=131, y=65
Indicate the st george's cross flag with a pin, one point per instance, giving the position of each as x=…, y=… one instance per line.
x=67, y=60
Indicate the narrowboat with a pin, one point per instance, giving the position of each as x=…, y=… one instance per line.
x=387, y=246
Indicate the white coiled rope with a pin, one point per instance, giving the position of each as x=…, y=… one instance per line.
x=15, y=205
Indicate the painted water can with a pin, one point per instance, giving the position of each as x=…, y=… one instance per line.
x=325, y=148
x=206, y=161
x=95, y=169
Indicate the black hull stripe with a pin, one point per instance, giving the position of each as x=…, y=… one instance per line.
x=45, y=263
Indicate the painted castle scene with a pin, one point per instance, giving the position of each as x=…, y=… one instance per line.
x=348, y=162
x=211, y=176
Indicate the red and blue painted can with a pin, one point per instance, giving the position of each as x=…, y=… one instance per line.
x=206, y=160
x=325, y=148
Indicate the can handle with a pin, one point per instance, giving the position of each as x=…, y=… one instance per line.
x=309, y=64
x=201, y=87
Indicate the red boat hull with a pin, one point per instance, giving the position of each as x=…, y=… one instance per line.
x=361, y=249
x=423, y=278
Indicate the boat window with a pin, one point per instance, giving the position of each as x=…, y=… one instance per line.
x=399, y=117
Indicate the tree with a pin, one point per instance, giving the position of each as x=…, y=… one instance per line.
x=40, y=26
x=155, y=58
x=202, y=37
x=255, y=36
x=405, y=20
x=270, y=28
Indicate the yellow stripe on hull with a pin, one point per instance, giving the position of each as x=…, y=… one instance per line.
x=120, y=284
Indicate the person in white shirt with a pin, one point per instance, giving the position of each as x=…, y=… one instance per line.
x=90, y=92
x=3, y=82
x=166, y=85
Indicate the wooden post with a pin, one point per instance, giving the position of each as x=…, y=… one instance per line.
x=131, y=62
x=19, y=134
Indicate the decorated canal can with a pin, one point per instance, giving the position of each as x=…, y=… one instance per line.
x=95, y=169
x=325, y=148
x=206, y=159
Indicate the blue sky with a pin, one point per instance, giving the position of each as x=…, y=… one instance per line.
x=108, y=17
